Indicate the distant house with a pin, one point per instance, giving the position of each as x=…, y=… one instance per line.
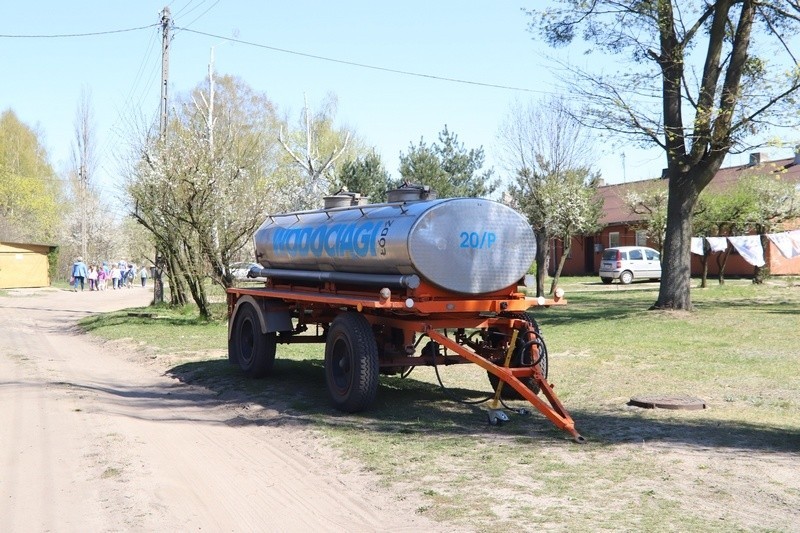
x=24, y=265
x=619, y=225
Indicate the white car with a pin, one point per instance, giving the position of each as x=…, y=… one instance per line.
x=240, y=270
x=627, y=263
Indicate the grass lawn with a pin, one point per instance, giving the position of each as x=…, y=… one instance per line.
x=730, y=467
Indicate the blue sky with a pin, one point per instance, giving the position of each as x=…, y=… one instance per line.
x=480, y=41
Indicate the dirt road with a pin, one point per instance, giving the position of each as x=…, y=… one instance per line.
x=94, y=441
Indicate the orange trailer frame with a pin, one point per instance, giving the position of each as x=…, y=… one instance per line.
x=408, y=312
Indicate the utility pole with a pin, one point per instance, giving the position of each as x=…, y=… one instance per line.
x=624, y=171
x=166, y=22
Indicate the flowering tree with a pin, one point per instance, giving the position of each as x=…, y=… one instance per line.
x=650, y=201
x=575, y=210
x=204, y=188
x=547, y=152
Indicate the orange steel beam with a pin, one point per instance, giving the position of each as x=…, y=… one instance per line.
x=372, y=300
x=555, y=412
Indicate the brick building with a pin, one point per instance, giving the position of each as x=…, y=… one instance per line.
x=619, y=225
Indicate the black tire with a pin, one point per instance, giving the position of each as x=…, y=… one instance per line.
x=626, y=277
x=508, y=392
x=607, y=281
x=253, y=350
x=351, y=363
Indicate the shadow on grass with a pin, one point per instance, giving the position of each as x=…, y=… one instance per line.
x=754, y=305
x=296, y=392
x=620, y=306
x=581, y=312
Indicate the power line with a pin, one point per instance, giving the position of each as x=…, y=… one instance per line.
x=363, y=65
x=145, y=61
x=187, y=4
x=61, y=35
x=203, y=13
x=277, y=49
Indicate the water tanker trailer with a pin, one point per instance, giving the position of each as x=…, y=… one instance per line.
x=388, y=287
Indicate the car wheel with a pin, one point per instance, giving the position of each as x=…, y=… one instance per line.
x=607, y=281
x=626, y=277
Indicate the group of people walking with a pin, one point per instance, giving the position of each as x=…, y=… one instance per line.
x=99, y=276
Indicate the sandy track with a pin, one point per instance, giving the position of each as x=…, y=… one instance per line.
x=93, y=441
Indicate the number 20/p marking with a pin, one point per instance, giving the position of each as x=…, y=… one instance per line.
x=477, y=240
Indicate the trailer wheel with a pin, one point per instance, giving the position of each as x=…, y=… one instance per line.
x=508, y=392
x=351, y=363
x=252, y=349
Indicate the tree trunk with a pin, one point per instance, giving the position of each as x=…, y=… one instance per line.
x=198, y=295
x=674, y=291
x=177, y=289
x=762, y=273
x=722, y=260
x=542, y=255
x=704, y=262
x=565, y=253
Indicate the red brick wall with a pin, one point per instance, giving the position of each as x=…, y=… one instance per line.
x=577, y=264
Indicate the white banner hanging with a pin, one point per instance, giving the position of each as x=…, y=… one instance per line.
x=794, y=235
x=785, y=244
x=697, y=246
x=749, y=247
x=718, y=244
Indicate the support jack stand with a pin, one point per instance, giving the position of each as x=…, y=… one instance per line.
x=497, y=417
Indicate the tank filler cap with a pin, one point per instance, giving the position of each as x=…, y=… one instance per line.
x=410, y=192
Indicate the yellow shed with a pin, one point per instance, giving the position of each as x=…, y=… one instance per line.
x=24, y=265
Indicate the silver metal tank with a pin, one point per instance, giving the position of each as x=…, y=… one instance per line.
x=464, y=245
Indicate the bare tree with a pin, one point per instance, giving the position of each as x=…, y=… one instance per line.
x=545, y=149
x=83, y=158
x=87, y=230
x=701, y=79
x=315, y=152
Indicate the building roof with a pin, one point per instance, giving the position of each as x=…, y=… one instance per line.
x=28, y=244
x=615, y=211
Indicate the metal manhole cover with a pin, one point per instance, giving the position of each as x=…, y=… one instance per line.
x=668, y=402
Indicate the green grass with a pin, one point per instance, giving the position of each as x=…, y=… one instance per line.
x=650, y=470
x=165, y=330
